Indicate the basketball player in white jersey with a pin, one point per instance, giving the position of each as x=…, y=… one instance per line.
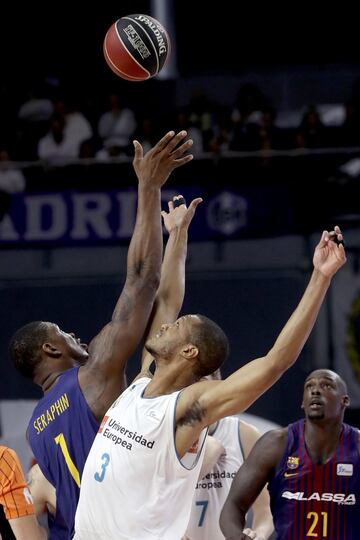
x=167, y=305
x=142, y=469
x=235, y=440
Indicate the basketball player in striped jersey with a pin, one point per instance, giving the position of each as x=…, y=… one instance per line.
x=16, y=501
x=81, y=382
x=312, y=468
x=142, y=469
x=235, y=440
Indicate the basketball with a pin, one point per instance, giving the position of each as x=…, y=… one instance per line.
x=136, y=47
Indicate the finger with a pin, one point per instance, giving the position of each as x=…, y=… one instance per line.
x=171, y=206
x=179, y=200
x=337, y=238
x=159, y=146
x=182, y=149
x=250, y=533
x=324, y=239
x=195, y=203
x=174, y=141
x=164, y=214
x=179, y=162
x=341, y=249
x=138, y=150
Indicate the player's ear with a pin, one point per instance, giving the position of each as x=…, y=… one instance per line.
x=345, y=400
x=190, y=351
x=50, y=350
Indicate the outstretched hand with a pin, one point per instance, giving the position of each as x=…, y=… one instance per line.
x=181, y=216
x=329, y=254
x=155, y=166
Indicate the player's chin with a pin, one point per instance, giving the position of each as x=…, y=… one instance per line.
x=150, y=346
x=83, y=358
x=316, y=415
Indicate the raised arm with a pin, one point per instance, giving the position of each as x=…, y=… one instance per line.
x=253, y=475
x=102, y=378
x=241, y=389
x=213, y=400
x=170, y=295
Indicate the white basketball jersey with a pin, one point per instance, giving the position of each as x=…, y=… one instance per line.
x=212, y=490
x=134, y=486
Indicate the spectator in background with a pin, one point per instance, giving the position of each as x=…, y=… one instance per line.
x=183, y=121
x=77, y=126
x=112, y=149
x=349, y=132
x=57, y=145
x=12, y=181
x=201, y=114
x=117, y=122
x=38, y=107
x=311, y=133
x=246, y=117
x=146, y=133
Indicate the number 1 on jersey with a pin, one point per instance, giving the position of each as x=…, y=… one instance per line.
x=60, y=440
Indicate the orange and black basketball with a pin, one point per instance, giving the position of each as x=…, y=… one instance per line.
x=136, y=47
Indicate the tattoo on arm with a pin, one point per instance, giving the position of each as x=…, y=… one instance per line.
x=193, y=415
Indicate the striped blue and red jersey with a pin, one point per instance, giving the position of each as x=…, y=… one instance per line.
x=310, y=501
x=60, y=432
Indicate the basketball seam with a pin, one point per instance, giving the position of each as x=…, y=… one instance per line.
x=122, y=72
x=151, y=41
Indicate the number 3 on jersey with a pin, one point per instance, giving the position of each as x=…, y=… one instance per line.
x=99, y=477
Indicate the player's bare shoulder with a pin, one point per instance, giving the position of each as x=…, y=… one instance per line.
x=190, y=410
x=271, y=446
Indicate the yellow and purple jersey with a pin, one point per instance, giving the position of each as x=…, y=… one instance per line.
x=60, y=432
